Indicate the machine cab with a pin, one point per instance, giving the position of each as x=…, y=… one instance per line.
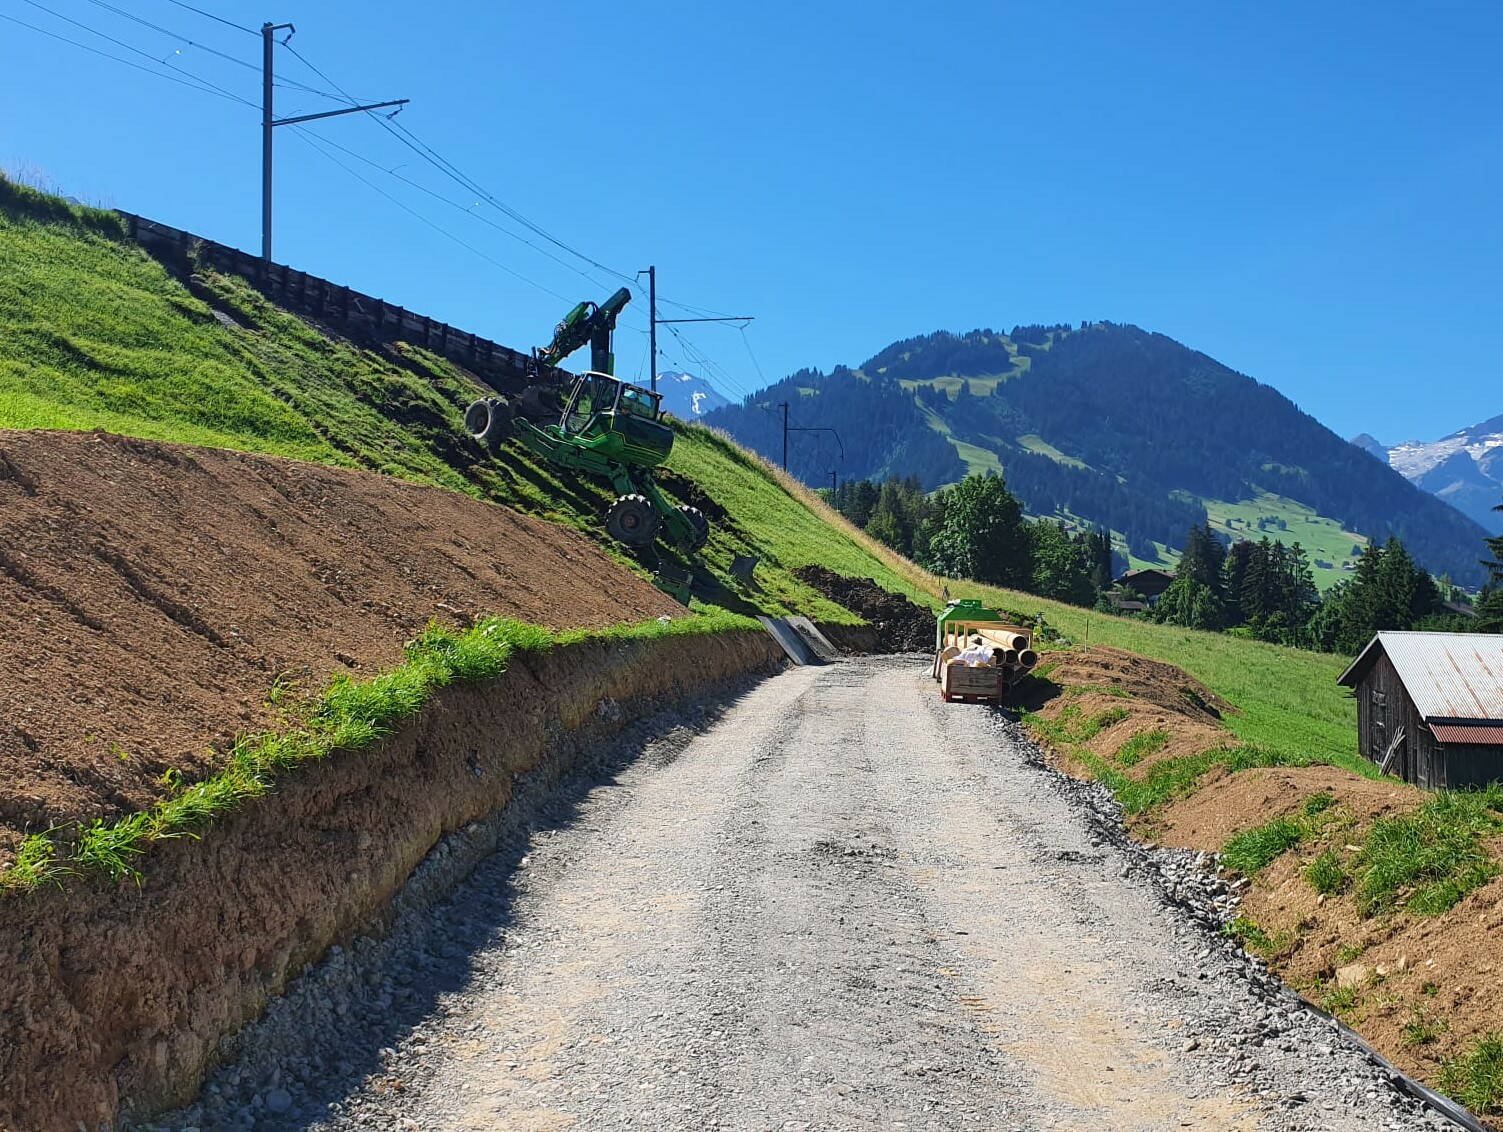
x=603, y=406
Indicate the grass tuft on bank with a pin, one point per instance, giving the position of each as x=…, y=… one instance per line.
x=350, y=715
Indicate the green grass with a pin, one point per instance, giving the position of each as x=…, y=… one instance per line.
x=1422, y=1028
x=1042, y=447
x=1326, y=874
x=1339, y=1000
x=1287, y=699
x=1141, y=745
x=1254, y=939
x=1427, y=860
x=1475, y=1078
x=349, y=715
x=1322, y=538
x=1250, y=851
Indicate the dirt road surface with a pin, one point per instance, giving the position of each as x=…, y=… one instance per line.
x=840, y=904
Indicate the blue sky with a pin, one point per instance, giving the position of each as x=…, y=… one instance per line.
x=1308, y=196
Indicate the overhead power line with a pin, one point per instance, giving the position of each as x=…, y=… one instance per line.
x=438, y=161
x=216, y=19
x=203, y=86
x=160, y=68
x=318, y=144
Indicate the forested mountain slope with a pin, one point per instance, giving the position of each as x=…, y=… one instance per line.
x=1107, y=423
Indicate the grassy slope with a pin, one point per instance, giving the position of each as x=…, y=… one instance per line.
x=95, y=334
x=1322, y=538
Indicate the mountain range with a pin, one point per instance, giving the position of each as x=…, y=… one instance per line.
x=1108, y=425
x=1465, y=469
x=688, y=397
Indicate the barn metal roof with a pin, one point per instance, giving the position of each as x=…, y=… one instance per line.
x=1456, y=677
x=1488, y=734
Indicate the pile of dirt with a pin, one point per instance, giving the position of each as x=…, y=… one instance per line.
x=901, y=625
x=1116, y=697
x=1230, y=803
x=152, y=595
x=1129, y=676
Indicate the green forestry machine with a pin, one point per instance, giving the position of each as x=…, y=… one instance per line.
x=605, y=427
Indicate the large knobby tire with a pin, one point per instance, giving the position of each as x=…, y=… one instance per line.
x=489, y=421
x=632, y=521
x=699, y=525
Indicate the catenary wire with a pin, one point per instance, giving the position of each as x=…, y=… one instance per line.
x=217, y=19
x=409, y=139
x=316, y=142
x=203, y=86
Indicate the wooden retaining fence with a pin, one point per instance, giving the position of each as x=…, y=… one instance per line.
x=362, y=316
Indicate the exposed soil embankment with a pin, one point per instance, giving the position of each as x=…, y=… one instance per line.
x=114, y=998
x=899, y=624
x=1421, y=988
x=151, y=595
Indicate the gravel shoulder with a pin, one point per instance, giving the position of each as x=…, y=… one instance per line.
x=833, y=903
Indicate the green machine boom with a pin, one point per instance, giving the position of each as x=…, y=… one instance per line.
x=601, y=426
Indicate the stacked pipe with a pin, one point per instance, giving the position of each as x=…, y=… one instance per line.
x=1012, y=652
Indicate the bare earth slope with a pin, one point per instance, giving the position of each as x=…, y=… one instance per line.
x=152, y=595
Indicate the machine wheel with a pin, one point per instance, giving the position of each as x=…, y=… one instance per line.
x=699, y=524
x=489, y=421
x=632, y=520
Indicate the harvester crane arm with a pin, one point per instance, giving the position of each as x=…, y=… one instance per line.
x=587, y=322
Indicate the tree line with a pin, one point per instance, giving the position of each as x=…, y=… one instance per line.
x=976, y=529
x=1260, y=589
x=1266, y=590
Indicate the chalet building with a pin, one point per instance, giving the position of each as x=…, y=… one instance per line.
x=1430, y=706
x=1150, y=583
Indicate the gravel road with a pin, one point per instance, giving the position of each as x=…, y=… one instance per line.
x=834, y=903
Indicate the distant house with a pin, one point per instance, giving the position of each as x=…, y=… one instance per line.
x=1149, y=582
x=1430, y=706
x=1121, y=604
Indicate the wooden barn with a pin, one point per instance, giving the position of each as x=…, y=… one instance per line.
x=1430, y=706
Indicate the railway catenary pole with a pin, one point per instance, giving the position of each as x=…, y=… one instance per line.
x=269, y=122
x=654, y=321
x=787, y=428
x=652, y=324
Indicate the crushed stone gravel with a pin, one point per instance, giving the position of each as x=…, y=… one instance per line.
x=829, y=903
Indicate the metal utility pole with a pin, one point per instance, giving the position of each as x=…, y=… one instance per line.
x=269, y=121
x=653, y=321
x=787, y=428
x=652, y=325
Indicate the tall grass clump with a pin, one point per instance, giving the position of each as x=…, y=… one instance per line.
x=1252, y=850
x=1425, y=861
x=1475, y=1078
x=1326, y=874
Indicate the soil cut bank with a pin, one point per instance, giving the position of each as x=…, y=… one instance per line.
x=152, y=595
x=115, y=998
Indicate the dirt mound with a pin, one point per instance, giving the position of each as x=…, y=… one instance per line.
x=1231, y=803
x=1125, y=674
x=152, y=595
x=901, y=625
